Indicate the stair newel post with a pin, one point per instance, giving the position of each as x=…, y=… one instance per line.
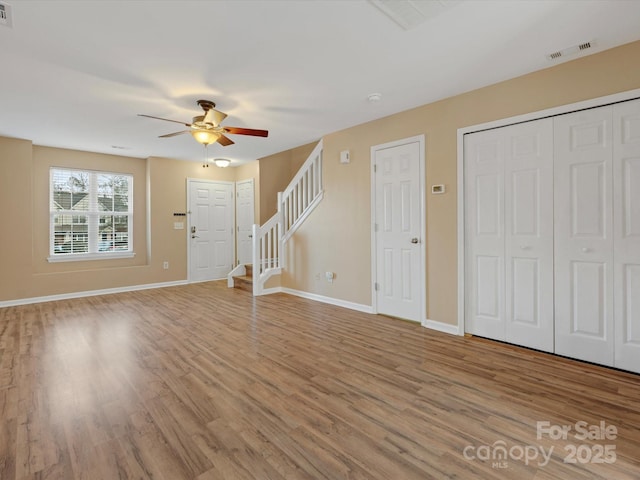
x=280, y=228
x=255, y=231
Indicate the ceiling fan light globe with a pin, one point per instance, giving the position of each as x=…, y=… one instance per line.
x=205, y=137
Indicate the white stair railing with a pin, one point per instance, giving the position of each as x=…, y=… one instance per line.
x=267, y=251
x=298, y=200
x=303, y=193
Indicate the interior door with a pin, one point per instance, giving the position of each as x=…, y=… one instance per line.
x=509, y=233
x=244, y=220
x=211, y=245
x=626, y=188
x=398, y=230
x=584, y=235
x=484, y=233
x=529, y=234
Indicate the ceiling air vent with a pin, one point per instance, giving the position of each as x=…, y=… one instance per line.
x=5, y=14
x=567, y=52
x=411, y=13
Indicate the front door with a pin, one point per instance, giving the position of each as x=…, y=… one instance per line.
x=211, y=246
x=399, y=274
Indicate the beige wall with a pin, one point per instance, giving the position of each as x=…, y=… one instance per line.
x=337, y=236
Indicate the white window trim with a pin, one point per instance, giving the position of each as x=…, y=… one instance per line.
x=78, y=257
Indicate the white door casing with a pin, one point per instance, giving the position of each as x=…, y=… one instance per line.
x=244, y=220
x=509, y=233
x=626, y=187
x=398, y=249
x=211, y=229
x=583, y=208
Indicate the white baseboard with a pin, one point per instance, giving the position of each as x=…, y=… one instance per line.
x=331, y=301
x=269, y=291
x=89, y=293
x=441, y=327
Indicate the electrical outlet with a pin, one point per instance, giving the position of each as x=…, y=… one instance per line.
x=330, y=276
x=165, y=265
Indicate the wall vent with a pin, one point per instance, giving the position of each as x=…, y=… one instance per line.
x=5, y=15
x=570, y=51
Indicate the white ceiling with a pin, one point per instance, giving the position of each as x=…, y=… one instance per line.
x=75, y=74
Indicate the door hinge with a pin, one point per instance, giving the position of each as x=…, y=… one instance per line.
x=375, y=227
x=376, y=286
x=375, y=168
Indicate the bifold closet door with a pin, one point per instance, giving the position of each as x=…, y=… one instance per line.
x=626, y=187
x=509, y=234
x=583, y=201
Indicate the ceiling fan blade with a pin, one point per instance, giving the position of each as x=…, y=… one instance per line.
x=214, y=117
x=174, y=134
x=225, y=141
x=246, y=131
x=165, y=119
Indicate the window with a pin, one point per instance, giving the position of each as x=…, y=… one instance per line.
x=91, y=214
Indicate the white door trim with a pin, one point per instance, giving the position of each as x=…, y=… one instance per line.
x=188, y=232
x=551, y=112
x=423, y=222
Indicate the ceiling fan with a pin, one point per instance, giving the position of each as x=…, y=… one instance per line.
x=206, y=129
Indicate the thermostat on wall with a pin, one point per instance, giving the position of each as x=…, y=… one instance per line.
x=345, y=157
x=437, y=189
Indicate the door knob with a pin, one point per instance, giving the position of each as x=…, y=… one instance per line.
x=195, y=236
x=414, y=240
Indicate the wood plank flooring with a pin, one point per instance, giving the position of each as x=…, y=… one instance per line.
x=205, y=382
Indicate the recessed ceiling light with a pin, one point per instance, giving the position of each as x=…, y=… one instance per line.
x=374, y=97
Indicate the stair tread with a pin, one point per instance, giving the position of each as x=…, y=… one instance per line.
x=244, y=278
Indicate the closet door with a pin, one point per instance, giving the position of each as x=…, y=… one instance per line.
x=529, y=234
x=484, y=233
x=584, y=235
x=626, y=178
x=509, y=232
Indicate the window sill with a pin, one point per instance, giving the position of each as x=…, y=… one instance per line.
x=74, y=257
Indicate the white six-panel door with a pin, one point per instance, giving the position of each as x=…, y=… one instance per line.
x=626, y=186
x=509, y=192
x=584, y=235
x=398, y=231
x=211, y=245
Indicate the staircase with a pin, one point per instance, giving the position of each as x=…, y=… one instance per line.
x=245, y=280
x=299, y=199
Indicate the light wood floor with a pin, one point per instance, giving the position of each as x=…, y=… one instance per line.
x=205, y=382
